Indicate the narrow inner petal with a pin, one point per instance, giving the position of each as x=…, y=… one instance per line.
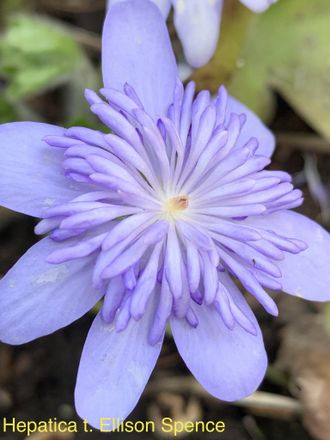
x=167, y=207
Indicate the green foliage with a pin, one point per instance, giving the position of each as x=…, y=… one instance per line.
x=7, y=111
x=285, y=49
x=8, y=6
x=235, y=22
x=35, y=55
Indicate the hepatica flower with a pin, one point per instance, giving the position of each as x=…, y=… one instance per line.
x=159, y=216
x=197, y=23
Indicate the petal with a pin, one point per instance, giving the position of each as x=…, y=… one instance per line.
x=198, y=25
x=306, y=275
x=253, y=128
x=31, y=176
x=114, y=369
x=164, y=5
x=38, y=298
x=258, y=5
x=137, y=50
x=229, y=364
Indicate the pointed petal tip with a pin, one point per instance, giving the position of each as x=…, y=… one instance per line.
x=271, y=308
x=305, y=274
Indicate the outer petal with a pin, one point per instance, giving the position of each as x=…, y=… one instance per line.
x=307, y=274
x=31, y=177
x=164, y=5
x=137, y=50
x=253, y=127
x=114, y=369
x=230, y=364
x=198, y=25
x=258, y=5
x=37, y=298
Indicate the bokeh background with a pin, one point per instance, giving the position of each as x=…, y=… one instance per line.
x=278, y=63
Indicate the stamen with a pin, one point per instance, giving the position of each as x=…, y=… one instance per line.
x=178, y=203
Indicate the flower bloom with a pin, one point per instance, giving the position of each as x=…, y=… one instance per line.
x=197, y=23
x=159, y=218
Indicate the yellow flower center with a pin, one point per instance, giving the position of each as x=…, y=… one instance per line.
x=175, y=205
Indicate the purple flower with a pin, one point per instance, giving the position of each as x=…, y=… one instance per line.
x=158, y=218
x=197, y=23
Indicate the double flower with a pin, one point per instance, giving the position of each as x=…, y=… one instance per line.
x=159, y=216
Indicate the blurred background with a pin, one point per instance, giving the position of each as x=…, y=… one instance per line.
x=278, y=63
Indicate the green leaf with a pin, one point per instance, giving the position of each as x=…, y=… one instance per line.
x=287, y=49
x=235, y=22
x=37, y=54
x=7, y=111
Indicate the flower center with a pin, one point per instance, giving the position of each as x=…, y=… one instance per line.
x=175, y=205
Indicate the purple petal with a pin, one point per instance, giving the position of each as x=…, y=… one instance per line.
x=258, y=5
x=32, y=177
x=253, y=128
x=198, y=24
x=38, y=298
x=229, y=364
x=162, y=313
x=164, y=5
x=114, y=369
x=306, y=274
x=137, y=51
